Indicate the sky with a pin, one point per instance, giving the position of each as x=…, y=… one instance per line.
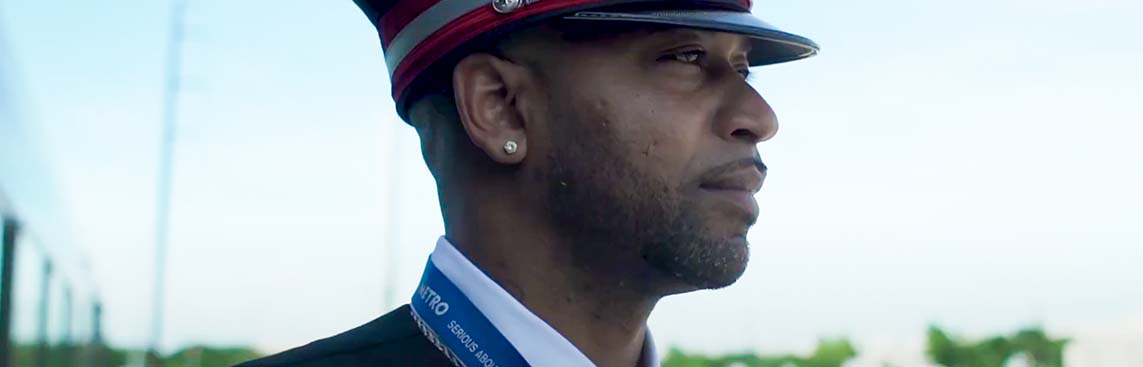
x=972, y=164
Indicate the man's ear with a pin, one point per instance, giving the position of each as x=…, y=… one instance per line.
x=486, y=90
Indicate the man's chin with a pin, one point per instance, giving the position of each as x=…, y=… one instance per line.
x=712, y=265
x=728, y=272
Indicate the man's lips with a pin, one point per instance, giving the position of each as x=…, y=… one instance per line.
x=746, y=179
x=737, y=183
x=738, y=176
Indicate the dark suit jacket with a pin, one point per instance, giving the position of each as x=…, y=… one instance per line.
x=390, y=341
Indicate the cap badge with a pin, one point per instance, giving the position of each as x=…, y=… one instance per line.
x=508, y=6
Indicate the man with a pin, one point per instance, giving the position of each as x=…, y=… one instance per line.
x=591, y=157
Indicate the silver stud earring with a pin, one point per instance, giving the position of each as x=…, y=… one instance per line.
x=510, y=147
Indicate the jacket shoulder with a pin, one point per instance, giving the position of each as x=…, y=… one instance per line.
x=390, y=340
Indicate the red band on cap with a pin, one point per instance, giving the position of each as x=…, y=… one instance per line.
x=401, y=15
x=461, y=30
x=405, y=11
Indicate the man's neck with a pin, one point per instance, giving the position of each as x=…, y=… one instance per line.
x=600, y=306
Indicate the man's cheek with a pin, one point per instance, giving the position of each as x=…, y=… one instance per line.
x=664, y=162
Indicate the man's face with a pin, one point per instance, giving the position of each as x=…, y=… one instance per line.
x=650, y=144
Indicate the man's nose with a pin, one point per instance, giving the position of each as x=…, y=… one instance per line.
x=745, y=116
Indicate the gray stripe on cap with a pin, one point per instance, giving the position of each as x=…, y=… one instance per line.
x=429, y=21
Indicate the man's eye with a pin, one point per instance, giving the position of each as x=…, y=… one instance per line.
x=689, y=57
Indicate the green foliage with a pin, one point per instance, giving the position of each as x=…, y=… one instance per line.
x=1041, y=349
x=1037, y=348
x=61, y=355
x=1033, y=344
x=65, y=355
x=829, y=353
x=201, y=356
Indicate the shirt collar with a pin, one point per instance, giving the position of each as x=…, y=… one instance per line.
x=537, y=342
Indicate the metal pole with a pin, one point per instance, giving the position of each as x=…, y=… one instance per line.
x=64, y=348
x=8, y=257
x=42, y=320
x=166, y=169
x=97, y=354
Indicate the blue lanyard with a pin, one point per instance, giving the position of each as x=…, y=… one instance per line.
x=459, y=325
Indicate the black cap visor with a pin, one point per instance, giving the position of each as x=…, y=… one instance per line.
x=770, y=45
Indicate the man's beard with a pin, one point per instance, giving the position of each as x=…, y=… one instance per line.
x=606, y=206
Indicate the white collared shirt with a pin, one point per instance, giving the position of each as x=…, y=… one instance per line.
x=537, y=342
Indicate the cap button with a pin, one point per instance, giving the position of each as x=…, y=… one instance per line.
x=506, y=6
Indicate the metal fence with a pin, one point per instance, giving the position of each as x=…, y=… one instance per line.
x=50, y=312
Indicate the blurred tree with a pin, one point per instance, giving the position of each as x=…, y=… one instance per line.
x=829, y=353
x=202, y=356
x=67, y=355
x=1041, y=350
x=1037, y=348
x=102, y=356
